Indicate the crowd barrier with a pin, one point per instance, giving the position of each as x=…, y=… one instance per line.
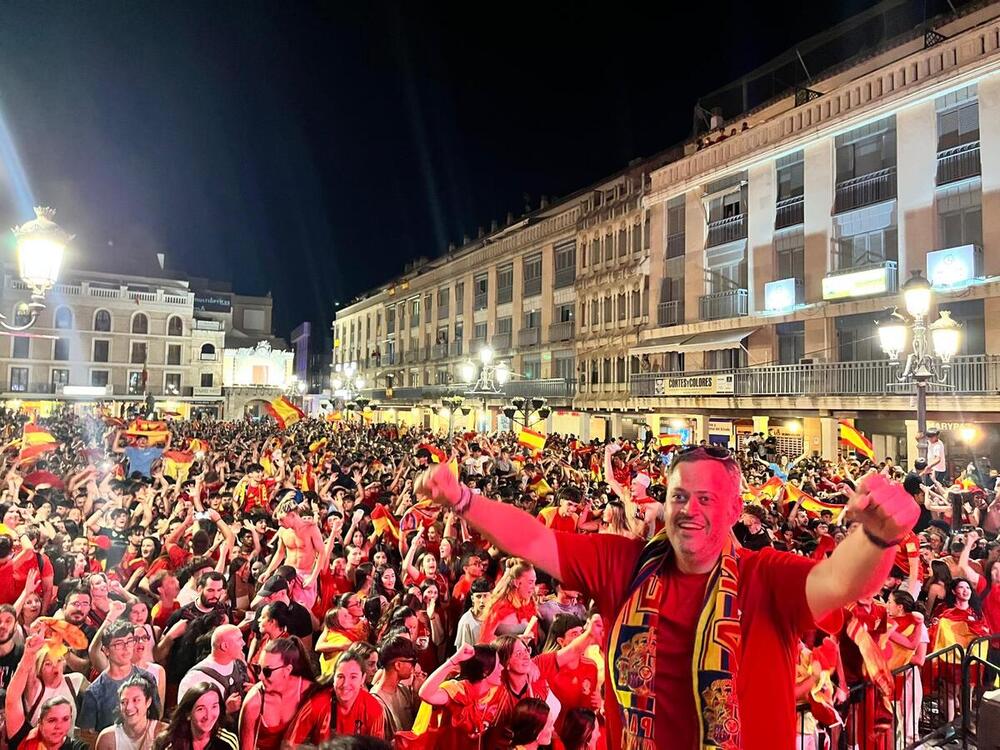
x=931, y=705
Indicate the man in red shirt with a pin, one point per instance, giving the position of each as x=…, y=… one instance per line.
x=562, y=517
x=658, y=598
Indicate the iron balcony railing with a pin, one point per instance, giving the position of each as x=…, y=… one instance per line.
x=727, y=230
x=958, y=163
x=565, y=277
x=675, y=245
x=533, y=286
x=730, y=304
x=556, y=389
x=561, y=331
x=529, y=336
x=789, y=212
x=479, y=302
x=456, y=348
x=669, y=313
x=476, y=344
x=968, y=375
x=440, y=351
x=501, y=341
x=504, y=294
x=875, y=187
x=410, y=357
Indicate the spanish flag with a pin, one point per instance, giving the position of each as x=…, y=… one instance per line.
x=36, y=441
x=810, y=505
x=384, y=522
x=177, y=464
x=197, y=445
x=856, y=440
x=541, y=487
x=530, y=439
x=438, y=456
x=423, y=514
x=317, y=445
x=285, y=413
x=154, y=431
x=767, y=491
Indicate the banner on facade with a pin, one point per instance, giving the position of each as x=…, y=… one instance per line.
x=210, y=302
x=711, y=385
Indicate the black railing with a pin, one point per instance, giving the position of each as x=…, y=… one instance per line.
x=729, y=304
x=561, y=331
x=789, y=212
x=675, y=245
x=959, y=163
x=726, y=230
x=504, y=294
x=865, y=190
x=565, y=277
x=533, y=286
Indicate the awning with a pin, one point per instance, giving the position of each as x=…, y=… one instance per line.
x=713, y=340
x=656, y=346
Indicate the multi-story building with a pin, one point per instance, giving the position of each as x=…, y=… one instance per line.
x=732, y=284
x=112, y=338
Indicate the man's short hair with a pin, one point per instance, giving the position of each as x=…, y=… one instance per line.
x=212, y=575
x=397, y=647
x=8, y=609
x=481, y=586
x=756, y=511
x=570, y=494
x=253, y=468
x=120, y=629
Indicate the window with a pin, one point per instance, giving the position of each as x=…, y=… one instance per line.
x=622, y=242
x=789, y=253
x=459, y=297
x=172, y=383
x=531, y=367
x=563, y=366
x=174, y=354
x=790, y=173
x=428, y=303
x=459, y=331
x=636, y=238
x=135, y=384
x=390, y=320
x=414, y=312
x=64, y=318
x=504, y=325
x=59, y=377
x=620, y=370
x=102, y=321
x=533, y=275
x=609, y=247
x=533, y=319
x=208, y=351
x=207, y=379
x=791, y=342
x=647, y=231
x=608, y=310
x=960, y=214
x=140, y=323
x=175, y=326
x=725, y=359
x=565, y=264
x=20, y=347
x=622, y=299
x=443, y=303
x=505, y=283
x=137, y=355
x=636, y=304
x=19, y=379
x=673, y=362
x=595, y=374
x=606, y=370
x=970, y=314
x=60, y=350
x=866, y=150
x=479, y=331
x=675, y=227
x=481, y=287
x=100, y=378
x=867, y=249
x=564, y=313
x=959, y=124
x=595, y=251
x=857, y=338
x=595, y=312
x=102, y=350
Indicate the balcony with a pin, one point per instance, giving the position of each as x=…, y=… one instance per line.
x=561, y=331
x=456, y=348
x=501, y=342
x=730, y=304
x=876, y=187
x=977, y=374
x=476, y=344
x=554, y=389
x=443, y=311
x=440, y=351
x=389, y=358
x=211, y=391
x=670, y=313
x=565, y=277
x=504, y=294
x=529, y=336
x=480, y=301
x=533, y=287
x=675, y=245
x=789, y=212
x=959, y=163
x=410, y=357
x=727, y=230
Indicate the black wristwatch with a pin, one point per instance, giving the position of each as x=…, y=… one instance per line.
x=880, y=542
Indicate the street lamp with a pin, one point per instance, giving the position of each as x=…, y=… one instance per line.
x=488, y=378
x=40, y=246
x=532, y=410
x=450, y=406
x=928, y=361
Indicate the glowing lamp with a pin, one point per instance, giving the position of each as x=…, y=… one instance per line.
x=40, y=246
x=945, y=336
x=917, y=295
x=486, y=355
x=468, y=372
x=892, y=334
x=502, y=373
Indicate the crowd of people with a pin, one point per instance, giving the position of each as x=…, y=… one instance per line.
x=229, y=585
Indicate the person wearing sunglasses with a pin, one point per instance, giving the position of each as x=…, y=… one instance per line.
x=397, y=658
x=286, y=677
x=667, y=600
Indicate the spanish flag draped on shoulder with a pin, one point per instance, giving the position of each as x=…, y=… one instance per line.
x=856, y=440
x=35, y=441
x=285, y=413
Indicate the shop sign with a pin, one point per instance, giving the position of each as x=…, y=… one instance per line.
x=208, y=302
x=720, y=427
x=954, y=265
x=779, y=295
x=858, y=284
x=695, y=384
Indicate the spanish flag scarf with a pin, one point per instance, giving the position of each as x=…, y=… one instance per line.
x=632, y=651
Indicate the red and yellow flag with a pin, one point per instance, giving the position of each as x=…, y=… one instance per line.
x=531, y=440
x=384, y=522
x=153, y=430
x=810, y=505
x=850, y=435
x=36, y=441
x=177, y=464
x=767, y=491
x=285, y=413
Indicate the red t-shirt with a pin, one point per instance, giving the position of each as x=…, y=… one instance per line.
x=12, y=579
x=774, y=609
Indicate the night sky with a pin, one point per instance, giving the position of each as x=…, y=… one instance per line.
x=311, y=149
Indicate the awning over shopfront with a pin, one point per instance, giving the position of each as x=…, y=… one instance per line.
x=700, y=342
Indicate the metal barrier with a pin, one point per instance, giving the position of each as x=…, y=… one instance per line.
x=925, y=707
x=981, y=666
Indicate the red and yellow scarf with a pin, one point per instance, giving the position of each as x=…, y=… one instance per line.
x=632, y=651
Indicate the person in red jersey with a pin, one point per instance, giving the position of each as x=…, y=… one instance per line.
x=668, y=682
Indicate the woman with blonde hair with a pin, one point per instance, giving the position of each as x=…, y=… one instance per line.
x=511, y=608
x=615, y=521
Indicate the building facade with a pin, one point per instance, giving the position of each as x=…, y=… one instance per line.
x=732, y=285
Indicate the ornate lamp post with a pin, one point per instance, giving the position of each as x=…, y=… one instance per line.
x=532, y=410
x=40, y=246
x=489, y=378
x=932, y=346
x=450, y=405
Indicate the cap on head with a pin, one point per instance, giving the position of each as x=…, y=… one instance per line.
x=642, y=479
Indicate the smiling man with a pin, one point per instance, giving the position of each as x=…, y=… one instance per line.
x=702, y=634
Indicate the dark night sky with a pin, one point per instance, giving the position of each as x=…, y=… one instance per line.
x=311, y=149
